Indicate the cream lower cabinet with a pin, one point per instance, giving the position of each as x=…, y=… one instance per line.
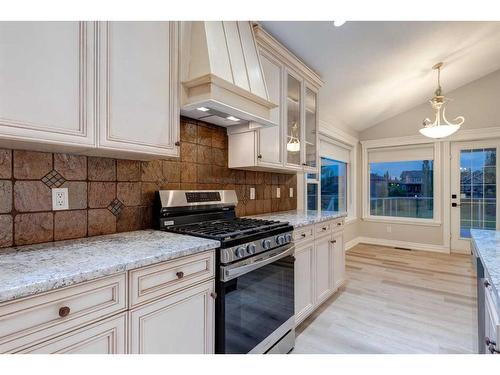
x=182, y=323
x=106, y=337
x=304, y=281
x=319, y=265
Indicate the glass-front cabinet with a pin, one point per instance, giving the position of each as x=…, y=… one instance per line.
x=311, y=128
x=293, y=104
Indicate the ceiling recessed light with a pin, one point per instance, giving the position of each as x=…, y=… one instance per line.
x=232, y=118
x=203, y=109
x=338, y=23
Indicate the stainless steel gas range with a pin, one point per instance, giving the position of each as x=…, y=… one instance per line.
x=255, y=269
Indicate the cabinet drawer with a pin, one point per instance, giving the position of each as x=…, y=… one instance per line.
x=338, y=224
x=303, y=233
x=30, y=320
x=107, y=336
x=156, y=281
x=323, y=228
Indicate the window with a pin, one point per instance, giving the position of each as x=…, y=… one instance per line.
x=402, y=189
x=333, y=185
x=400, y=183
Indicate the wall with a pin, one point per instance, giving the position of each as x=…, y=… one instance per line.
x=478, y=103
x=109, y=195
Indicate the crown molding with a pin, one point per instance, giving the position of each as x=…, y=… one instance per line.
x=328, y=130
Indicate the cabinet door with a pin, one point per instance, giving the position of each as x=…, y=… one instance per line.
x=139, y=88
x=47, y=84
x=338, y=267
x=311, y=128
x=178, y=324
x=304, y=281
x=293, y=129
x=492, y=322
x=271, y=139
x=324, y=277
x=106, y=337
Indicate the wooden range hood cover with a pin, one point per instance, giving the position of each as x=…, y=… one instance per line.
x=221, y=71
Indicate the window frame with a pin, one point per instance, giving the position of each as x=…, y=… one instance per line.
x=437, y=167
x=351, y=145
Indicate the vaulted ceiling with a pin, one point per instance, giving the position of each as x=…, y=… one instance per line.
x=376, y=70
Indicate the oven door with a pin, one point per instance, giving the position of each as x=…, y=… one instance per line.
x=256, y=302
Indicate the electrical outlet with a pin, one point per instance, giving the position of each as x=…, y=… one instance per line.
x=291, y=192
x=60, y=199
x=389, y=229
x=252, y=193
x=278, y=192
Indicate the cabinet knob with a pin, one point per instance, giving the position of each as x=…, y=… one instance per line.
x=324, y=228
x=259, y=156
x=339, y=224
x=303, y=235
x=213, y=295
x=64, y=311
x=486, y=283
x=180, y=274
x=178, y=143
x=304, y=164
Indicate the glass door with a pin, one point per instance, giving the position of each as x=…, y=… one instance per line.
x=293, y=120
x=474, y=177
x=311, y=119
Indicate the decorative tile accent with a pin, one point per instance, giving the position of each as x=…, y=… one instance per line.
x=53, y=179
x=116, y=206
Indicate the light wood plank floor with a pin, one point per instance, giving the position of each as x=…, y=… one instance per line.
x=396, y=301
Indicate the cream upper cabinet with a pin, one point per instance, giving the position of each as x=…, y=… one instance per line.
x=291, y=145
x=138, y=86
x=270, y=147
x=182, y=323
x=47, y=85
x=311, y=126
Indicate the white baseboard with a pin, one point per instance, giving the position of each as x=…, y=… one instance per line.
x=395, y=243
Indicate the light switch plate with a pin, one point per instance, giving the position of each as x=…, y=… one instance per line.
x=60, y=199
x=278, y=193
x=252, y=193
x=291, y=192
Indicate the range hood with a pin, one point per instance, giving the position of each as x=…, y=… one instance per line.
x=221, y=74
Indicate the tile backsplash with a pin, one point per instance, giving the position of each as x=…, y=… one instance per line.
x=113, y=195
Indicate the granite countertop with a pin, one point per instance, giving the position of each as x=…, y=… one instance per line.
x=487, y=243
x=29, y=270
x=300, y=218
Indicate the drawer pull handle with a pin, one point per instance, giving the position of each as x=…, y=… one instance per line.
x=486, y=283
x=64, y=311
x=339, y=224
x=324, y=228
x=334, y=241
x=213, y=295
x=180, y=274
x=303, y=235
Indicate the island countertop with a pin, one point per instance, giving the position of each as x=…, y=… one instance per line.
x=300, y=218
x=28, y=270
x=487, y=246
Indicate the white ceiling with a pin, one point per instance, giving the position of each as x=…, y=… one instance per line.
x=376, y=70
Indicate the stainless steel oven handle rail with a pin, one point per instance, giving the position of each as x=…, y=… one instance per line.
x=250, y=264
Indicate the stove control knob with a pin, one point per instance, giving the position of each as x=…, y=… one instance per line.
x=280, y=240
x=251, y=248
x=288, y=237
x=266, y=244
x=239, y=252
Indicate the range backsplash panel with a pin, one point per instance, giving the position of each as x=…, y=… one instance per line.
x=113, y=195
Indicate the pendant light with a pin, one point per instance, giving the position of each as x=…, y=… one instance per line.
x=293, y=144
x=441, y=127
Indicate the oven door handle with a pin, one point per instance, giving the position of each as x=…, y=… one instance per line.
x=231, y=273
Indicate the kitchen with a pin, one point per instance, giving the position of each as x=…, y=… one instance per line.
x=223, y=187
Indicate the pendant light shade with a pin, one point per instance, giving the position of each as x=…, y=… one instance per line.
x=440, y=127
